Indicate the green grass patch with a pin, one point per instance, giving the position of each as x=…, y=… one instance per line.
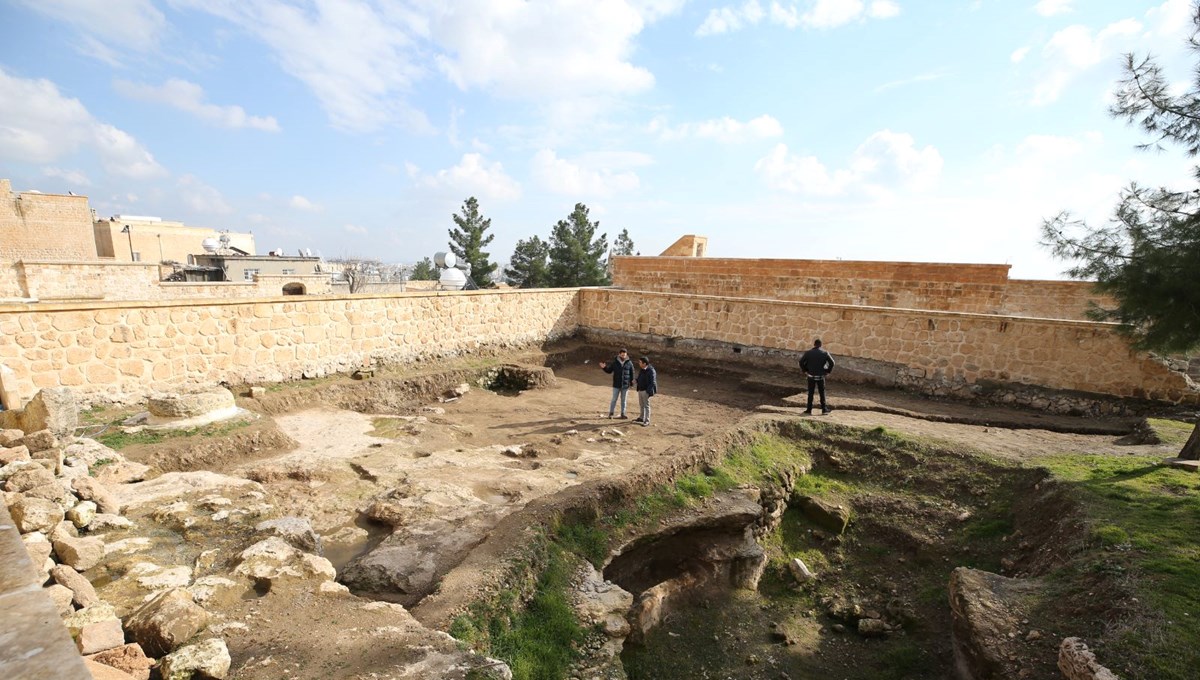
x=1133, y=502
x=1173, y=432
x=117, y=438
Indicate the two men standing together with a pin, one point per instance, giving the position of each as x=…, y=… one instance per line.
x=621, y=369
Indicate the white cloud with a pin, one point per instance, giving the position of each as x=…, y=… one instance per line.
x=354, y=229
x=1019, y=55
x=40, y=125
x=885, y=162
x=189, y=97
x=1049, y=8
x=821, y=14
x=920, y=78
x=725, y=129
x=74, y=177
x=587, y=176
x=1173, y=18
x=1074, y=50
x=107, y=29
x=202, y=198
x=301, y=203
x=474, y=175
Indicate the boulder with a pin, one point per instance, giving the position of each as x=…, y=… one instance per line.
x=12, y=454
x=10, y=437
x=82, y=514
x=54, y=409
x=104, y=521
x=192, y=403
x=121, y=472
x=95, y=628
x=295, y=530
x=1077, y=662
x=828, y=516
x=986, y=621
x=38, y=547
x=13, y=468
x=52, y=492
x=40, y=441
x=62, y=598
x=80, y=554
x=153, y=577
x=83, y=594
x=28, y=478
x=89, y=489
x=800, y=570
x=129, y=659
x=872, y=628
x=101, y=671
x=90, y=453
x=35, y=514
x=51, y=459
x=276, y=562
x=212, y=589
x=166, y=621
x=210, y=659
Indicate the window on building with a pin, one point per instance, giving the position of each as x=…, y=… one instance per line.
x=289, y=272
x=249, y=274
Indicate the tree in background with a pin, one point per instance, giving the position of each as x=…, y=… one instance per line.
x=424, y=271
x=1147, y=257
x=622, y=244
x=356, y=271
x=468, y=240
x=576, y=254
x=528, y=267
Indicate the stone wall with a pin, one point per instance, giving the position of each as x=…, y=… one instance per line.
x=49, y=281
x=124, y=351
x=973, y=288
x=947, y=352
x=34, y=225
x=156, y=241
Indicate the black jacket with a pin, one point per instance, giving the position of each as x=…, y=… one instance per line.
x=817, y=362
x=622, y=372
x=647, y=381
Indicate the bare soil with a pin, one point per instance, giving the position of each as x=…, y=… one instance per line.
x=323, y=450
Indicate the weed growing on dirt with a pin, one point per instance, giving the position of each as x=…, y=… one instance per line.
x=119, y=439
x=536, y=639
x=1145, y=520
x=1173, y=432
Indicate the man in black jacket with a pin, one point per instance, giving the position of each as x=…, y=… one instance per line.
x=816, y=364
x=647, y=386
x=622, y=373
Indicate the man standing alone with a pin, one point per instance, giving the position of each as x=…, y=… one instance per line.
x=622, y=373
x=647, y=386
x=816, y=364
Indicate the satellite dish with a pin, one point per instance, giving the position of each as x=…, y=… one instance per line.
x=210, y=245
x=445, y=260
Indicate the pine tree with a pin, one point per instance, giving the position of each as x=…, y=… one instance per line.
x=424, y=271
x=468, y=240
x=622, y=244
x=528, y=268
x=576, y=253
x=1147, y=258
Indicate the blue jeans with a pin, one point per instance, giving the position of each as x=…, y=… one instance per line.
x=622, y=392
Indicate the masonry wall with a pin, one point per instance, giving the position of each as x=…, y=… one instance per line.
x=42, y=226
x=158, y=241
x=124, y=351
x=49, y=281
x=972, y=288
x=927, y=348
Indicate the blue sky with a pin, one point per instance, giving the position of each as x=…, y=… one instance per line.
x=854, y=129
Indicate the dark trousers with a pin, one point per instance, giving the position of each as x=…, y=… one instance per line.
x=817, y=384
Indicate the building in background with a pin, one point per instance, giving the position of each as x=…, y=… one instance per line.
x=140, y=238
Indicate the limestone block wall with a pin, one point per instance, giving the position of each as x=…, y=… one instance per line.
x=156, y=241
x=973, y=288
x=930, y=347
x=48, y=281
x=124, y=351
x=34, y=225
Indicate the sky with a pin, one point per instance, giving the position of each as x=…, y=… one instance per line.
x=828, y=129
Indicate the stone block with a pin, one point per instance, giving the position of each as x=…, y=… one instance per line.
x=166, y=621
x=40, y=441
x=36, y=645
x=29, y=478
x=82, y=514
x=129, y=659
x=95, y=628
x=35, y=514
x=83, y=594
x=80, y=554
x=61, y=596
x=10, y=437
x=209, y=658
x=101, y=671
x=13, y=453
x=89, y=489
x=38, y=547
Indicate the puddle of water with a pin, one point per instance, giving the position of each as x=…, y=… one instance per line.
x=340, y=554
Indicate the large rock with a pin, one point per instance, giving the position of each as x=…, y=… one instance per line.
x=52, y=492
x=129, y=659
x=10, y=437
x=81, y=589
x=62, y=598
x=166, y=621
x=35, y=514
x=101, y=671
x=90, y=452
x=89, y=489
x=15, y=453
x=1077, y=662
x=209, y=659
x=121, y=472
x=275, y=562
x=82, y=514
x=828, y=516
x=38, y=547
x=40, y=441
x=95, y=628
x=175, y=485
x=104, y=521
x=28, y=478
x=54, y=409
x=192, y=403
x=80, y=554
x=295, y=530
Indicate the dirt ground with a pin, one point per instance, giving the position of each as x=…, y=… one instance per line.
x=463, y=464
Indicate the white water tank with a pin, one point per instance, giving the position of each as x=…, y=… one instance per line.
x=210, y=245
x=445, y=260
